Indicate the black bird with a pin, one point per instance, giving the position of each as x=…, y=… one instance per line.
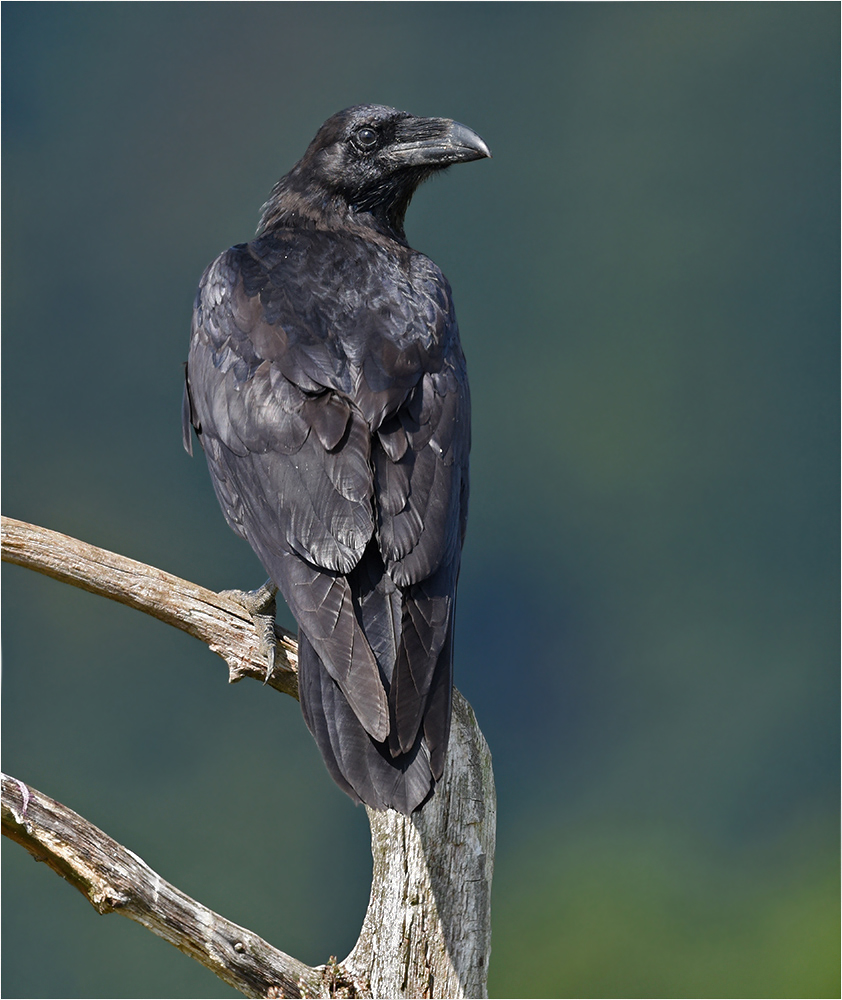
x=327, y=386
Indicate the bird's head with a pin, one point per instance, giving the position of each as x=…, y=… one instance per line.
x=368, y=160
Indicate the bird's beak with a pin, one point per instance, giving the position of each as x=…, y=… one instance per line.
x=437, y=142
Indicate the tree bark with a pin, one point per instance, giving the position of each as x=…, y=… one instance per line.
x=427, y=931
x=114, y=880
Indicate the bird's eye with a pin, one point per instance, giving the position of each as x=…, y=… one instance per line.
x=365, y=138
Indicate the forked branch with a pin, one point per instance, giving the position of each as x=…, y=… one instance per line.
x=427, y=929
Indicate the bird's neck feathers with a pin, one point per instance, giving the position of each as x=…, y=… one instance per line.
x=376, y=213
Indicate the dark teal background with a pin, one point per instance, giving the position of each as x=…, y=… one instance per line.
x=646, y=277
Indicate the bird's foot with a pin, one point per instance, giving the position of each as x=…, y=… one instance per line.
x=260, y=604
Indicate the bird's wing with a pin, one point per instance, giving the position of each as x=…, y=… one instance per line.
x=421, y=488
x=291, y=467
x=421, y=474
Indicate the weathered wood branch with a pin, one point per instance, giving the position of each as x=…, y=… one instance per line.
x=427, y=932
x=427, y=929
x=222, y=624
x=114, y=880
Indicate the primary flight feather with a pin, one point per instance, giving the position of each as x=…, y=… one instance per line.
x=327, y=386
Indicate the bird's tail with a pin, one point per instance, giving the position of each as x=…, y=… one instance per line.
x=408, y=632
x=361, y=766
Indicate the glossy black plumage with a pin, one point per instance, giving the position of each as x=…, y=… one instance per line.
x=327, y=386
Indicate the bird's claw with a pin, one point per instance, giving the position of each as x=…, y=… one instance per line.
x=260, y=604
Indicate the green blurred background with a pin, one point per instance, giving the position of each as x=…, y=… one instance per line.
x=646, y=277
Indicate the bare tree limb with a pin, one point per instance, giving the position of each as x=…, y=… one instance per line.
x=222, y=624
x=427, y=929
x=113, y=879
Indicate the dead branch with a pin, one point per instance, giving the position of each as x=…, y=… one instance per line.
x=222, y=624
x=114, y=880
x=427, y=929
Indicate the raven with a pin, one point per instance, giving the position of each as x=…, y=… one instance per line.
x=327, y=386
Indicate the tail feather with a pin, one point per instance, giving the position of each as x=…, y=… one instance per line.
x=436, y=725
x=408, y=630
x=424, y=632
x=362, y=767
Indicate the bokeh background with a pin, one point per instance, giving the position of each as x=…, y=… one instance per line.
x=646, y=276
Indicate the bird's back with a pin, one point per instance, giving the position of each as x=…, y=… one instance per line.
x=329, y=389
